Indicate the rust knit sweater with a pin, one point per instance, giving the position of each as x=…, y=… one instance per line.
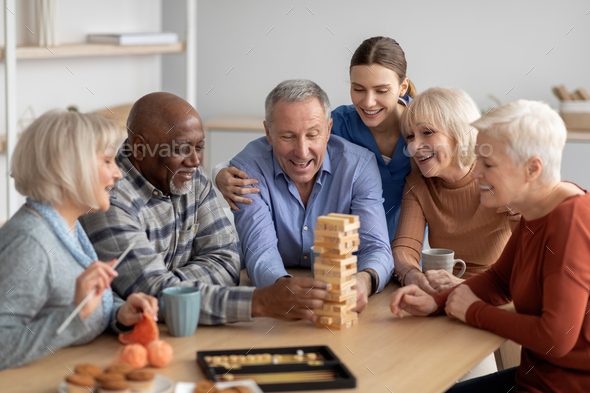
x=456, y=220
x=545, y=270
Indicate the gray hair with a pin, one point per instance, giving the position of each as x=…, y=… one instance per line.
x=55, y=159
x=528, y=129
x=292, y=91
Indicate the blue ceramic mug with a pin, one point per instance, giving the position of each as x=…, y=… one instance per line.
x=181, y=308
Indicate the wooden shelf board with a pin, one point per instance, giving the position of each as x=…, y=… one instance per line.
x=92, y=50
x=578, y=135
x=255, y=123
x=235, y=122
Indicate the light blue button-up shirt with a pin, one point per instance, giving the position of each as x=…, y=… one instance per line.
x=276, y=230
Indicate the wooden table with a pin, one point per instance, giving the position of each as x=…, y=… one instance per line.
x=385, y=353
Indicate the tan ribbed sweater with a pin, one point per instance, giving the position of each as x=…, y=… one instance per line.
x=456, y=221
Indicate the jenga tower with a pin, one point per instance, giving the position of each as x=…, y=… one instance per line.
x=335, y=239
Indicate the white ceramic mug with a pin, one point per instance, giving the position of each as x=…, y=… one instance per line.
x=441, y=258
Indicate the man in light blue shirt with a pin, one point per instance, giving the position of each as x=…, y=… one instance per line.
x=304, y=173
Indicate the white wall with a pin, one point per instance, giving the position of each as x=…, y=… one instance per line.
x=485, y=48
x=47, y=84
x=482, y=47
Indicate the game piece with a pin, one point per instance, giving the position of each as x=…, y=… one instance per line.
x=160, y=353
x=144, y=332
x=280, y=369
x=335, y=239
x=133, y=354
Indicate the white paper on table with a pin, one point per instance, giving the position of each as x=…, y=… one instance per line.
x=184, y=387
x=188, y=387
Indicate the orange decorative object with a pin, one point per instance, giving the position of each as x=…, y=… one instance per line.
x=160, y=353
x=133, y=354
x=144, y=332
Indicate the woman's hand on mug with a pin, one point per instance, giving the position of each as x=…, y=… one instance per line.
x=98, y=275
x=459, y=301
x=418, y=278
x=231, y=187
x=413, y=300
x=441, y=280
x=133, y=310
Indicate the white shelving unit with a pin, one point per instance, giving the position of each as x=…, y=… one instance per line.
x=11, y=53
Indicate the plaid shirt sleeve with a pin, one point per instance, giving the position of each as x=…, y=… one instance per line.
x=186, y=243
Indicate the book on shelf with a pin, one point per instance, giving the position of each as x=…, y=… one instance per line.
x=133, y=38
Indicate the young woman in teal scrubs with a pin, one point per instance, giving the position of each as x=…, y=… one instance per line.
x=379, y=91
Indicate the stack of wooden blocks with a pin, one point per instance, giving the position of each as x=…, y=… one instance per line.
x=335, y=239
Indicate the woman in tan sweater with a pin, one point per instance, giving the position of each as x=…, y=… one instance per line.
x=441, y=191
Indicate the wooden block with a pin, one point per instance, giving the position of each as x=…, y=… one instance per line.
x=331, y=313
x=340, y=308
x=580, y=94
x=335, y=259
x=332, y=271
x=351, y=218
x=335, y=233
x=335, y=280
x=332, y=250
x=347, y=318
x=342, y=289
x=341, y=298
x=335, y=238
x=336, y=247
x=340, y=324
x=322, y=227
x=329, y=223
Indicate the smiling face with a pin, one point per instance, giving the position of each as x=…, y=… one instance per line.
x=108, y=172
x=299, y=138
x=374, y=92
x=433, y=151
x=501, y=183
x=172, y=157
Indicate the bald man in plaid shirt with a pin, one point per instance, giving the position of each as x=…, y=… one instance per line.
x=166, y=206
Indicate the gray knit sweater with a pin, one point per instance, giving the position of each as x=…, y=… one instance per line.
x=37, y=285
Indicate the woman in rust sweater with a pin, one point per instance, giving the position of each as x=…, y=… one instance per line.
x=442, y=192
x=544, y=268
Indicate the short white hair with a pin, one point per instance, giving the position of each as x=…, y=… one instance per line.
x=453, y=110
x=528, y=129
x=55, y=157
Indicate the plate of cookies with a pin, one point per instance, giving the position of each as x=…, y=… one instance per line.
x=117, y=378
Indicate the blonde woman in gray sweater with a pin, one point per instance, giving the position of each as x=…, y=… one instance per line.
x=63, y=163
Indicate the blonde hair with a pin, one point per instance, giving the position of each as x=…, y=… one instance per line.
x=528, y=129
x=453, y=110
x=55, y=157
